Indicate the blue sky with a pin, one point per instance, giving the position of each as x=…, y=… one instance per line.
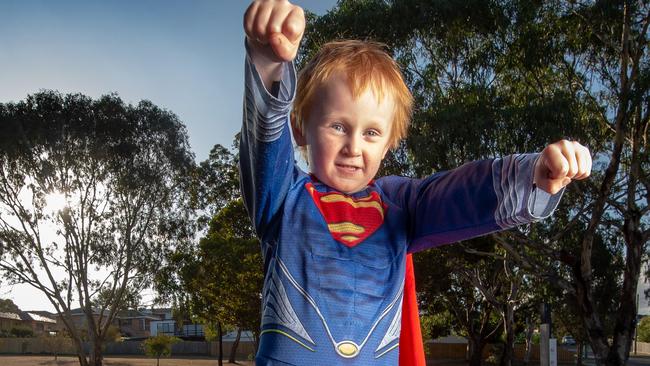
x=185, y=56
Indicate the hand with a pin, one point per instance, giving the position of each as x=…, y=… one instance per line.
x=274, y=29
x=560, y=163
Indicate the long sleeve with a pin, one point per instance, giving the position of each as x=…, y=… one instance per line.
x=474, y=199
x=266, y=151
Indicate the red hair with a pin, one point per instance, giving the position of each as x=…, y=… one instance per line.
x=366, y=65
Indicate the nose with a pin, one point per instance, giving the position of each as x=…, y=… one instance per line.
x=353, y=145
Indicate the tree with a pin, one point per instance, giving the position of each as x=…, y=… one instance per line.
x=217, y=181
x=158, y=346
x=93, y=193
x=230, y=270
x=8, y=306
x=443, y=289
x=219, y=282
x=540, y=71
x=643, y=329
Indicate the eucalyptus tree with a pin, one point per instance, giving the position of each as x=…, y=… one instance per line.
x=218, y=281
x=93, y=193
x=443, y=288
x=495, y=77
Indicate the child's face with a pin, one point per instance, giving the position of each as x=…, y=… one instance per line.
x=346, y=138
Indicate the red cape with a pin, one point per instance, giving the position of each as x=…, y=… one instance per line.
x=411, y=347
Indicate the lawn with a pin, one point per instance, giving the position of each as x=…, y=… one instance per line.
x=111, y=361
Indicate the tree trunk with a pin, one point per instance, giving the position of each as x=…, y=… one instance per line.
x=220, y=335
x=529, y=341
x=626, y=315
x=579, y=347
x=256, y=342
x=96, y=357
x=509, y=322
x=617, y=353
x=81, y=353
x=233, y=349
x=475, y=351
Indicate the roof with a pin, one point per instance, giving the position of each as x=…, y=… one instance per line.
x=44, y=313
x=40, y=318
x=134, y=314
x=10, y=316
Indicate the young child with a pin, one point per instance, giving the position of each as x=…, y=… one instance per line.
x=335, y=241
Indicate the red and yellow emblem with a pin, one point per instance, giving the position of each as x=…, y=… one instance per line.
x=349, y=220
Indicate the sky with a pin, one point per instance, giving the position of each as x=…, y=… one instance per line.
x=185, y=56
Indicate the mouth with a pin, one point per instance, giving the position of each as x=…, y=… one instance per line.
x=348, y=168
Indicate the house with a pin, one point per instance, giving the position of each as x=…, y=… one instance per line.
x=80, y=320
x=131, y=323
x=136, y=324
x=38, y=323
x=167, y=325
x=9, y=321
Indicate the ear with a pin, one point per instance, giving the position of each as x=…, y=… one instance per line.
x=298, y=135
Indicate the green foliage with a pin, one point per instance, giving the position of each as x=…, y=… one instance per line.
x=493, y=78
x=217, y=182
x=8, y=306
x=229, y=272
x=436, y=325
x=21, y=332
x=220, y=281
x=122, y=176
x=160, y=345
x=643, y=329
x=113, y=334
x=129, y=300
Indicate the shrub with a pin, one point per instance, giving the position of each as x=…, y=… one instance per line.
x=22, y=332
x=160, y=345
x=643, y=329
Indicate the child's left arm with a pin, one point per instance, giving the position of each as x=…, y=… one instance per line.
x=560, y=163
x=484, y=196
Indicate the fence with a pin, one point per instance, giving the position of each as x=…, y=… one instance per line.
x=458, y=351
x=65, y=346
x=641, y=348
x=434, y=351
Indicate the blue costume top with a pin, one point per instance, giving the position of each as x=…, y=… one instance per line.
x=334, y=263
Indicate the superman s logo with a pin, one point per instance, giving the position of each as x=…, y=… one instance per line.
x=349, y=220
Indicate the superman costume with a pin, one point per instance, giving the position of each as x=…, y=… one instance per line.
x=335, y=263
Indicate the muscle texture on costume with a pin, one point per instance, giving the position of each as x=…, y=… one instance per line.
x=334, y=263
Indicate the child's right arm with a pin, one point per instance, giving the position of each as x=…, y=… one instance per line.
x=274, y=29
x=266, y=161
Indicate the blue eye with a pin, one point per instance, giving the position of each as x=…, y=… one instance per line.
x=338, y=127
x=373, y=133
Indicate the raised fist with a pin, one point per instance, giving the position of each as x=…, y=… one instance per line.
x=560, y=163
x=274, y=29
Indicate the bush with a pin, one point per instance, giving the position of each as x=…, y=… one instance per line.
x=643, y=329
x=22, y=332
x=160, y=345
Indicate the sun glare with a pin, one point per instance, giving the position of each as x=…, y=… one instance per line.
x=55, y=202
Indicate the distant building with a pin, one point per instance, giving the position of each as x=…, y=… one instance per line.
x=168, y=325
x=37, y=323
x=9, y=321
x=136, y=324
